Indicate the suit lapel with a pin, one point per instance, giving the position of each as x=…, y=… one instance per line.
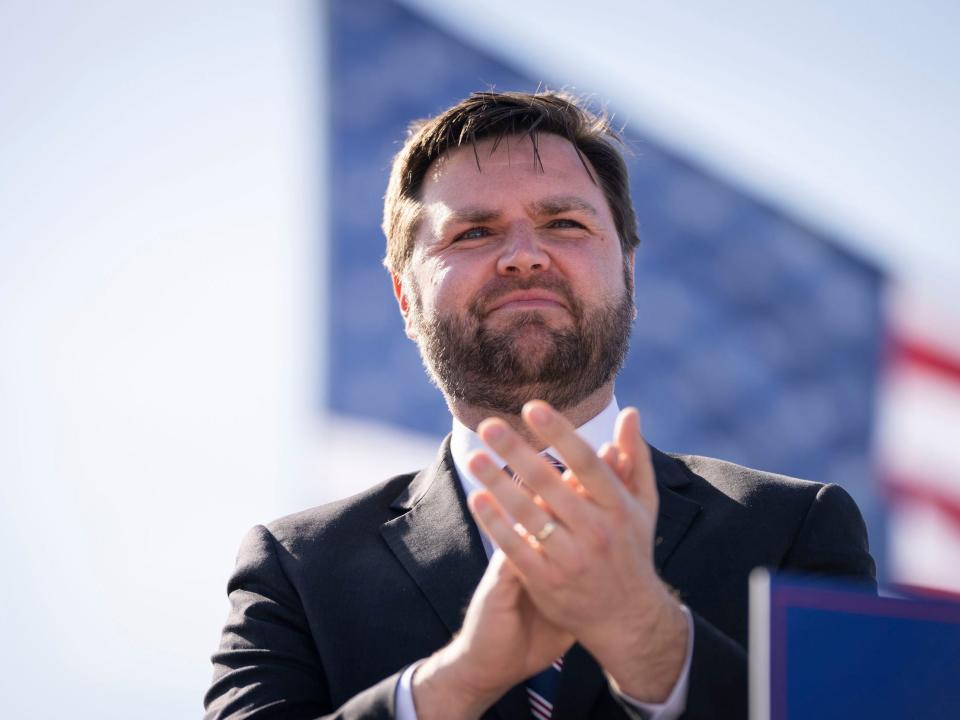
x=437, y=542
x=676, y=512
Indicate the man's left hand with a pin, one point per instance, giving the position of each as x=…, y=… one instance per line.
x=592, y=571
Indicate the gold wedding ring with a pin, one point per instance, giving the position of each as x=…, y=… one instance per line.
x=546, y=531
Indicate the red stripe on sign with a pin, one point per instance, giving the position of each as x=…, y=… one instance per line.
x=925, y=592
x=917, y=491
x=926, y=357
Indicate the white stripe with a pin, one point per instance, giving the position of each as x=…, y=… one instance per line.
x=916, y=433
x=921, y=318
x=537, y=700
x=539, y=714
x=924, y=547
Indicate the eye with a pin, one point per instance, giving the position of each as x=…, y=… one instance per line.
x=475, y=233
x=565, y=223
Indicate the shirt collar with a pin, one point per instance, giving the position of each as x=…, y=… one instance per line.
x=596, y=431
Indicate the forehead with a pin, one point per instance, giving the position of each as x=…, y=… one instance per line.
x=512, y=167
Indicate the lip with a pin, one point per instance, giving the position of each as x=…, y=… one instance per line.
x=528, y=300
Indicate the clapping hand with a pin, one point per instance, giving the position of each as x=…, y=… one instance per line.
x=581, y=543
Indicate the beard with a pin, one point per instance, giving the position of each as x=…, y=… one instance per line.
x=497, y=369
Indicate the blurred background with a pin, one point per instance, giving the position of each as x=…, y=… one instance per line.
x=196, y=334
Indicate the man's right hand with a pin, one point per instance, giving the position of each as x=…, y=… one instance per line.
x=504, y=641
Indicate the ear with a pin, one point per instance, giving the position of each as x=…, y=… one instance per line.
x=403, y=301
x=629, y=276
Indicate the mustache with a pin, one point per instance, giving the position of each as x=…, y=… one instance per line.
x=502, y=285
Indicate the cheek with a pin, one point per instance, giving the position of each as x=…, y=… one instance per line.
x=438, y=285
x=598, y=276
x=617, y=273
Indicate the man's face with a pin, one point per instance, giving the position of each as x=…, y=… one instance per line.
x=517, y=287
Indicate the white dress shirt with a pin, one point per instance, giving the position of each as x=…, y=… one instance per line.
x=595, y=431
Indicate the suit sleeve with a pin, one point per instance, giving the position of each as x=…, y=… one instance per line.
x=832, y=540
x=267, y=665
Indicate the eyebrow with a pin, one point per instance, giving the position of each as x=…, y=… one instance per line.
x=559, y=204
x=472, y=215
x=550, y=206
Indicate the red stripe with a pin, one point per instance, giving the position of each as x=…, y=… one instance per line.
x=901, y=488
x=926, y=357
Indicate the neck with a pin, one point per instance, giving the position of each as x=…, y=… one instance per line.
x=578, y=414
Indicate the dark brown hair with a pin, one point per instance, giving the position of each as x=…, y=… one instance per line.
x=495, y=115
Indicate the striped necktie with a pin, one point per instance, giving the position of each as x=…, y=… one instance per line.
x=542, y=688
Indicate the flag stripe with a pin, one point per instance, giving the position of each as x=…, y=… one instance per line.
x=916, y=490
x=916, y=439
x=925, y=356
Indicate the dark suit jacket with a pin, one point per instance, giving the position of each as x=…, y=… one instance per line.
x=329, y=605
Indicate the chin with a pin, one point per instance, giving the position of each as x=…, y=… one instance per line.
x=531, y=338
x=532, y=322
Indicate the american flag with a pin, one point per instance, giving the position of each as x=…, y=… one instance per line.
x=759, y=337
x=918, y=441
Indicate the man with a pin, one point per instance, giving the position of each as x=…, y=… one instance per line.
x=617, y=579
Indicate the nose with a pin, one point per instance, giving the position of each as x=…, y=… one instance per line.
x=522, y=253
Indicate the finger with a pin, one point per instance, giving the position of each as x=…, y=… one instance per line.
x=570, y=480
x=494, y=522
x=627, y=437
x=531, y=513
x=625, y=471
x=501, y=570
x=519, y=504
x=610, y=455
x=537, y=473
x=617, y=461
x=554, y=429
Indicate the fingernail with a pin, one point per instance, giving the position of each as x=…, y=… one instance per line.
x=494, y=432
x=539, y=415
x=479, y=463
x=480, y=502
